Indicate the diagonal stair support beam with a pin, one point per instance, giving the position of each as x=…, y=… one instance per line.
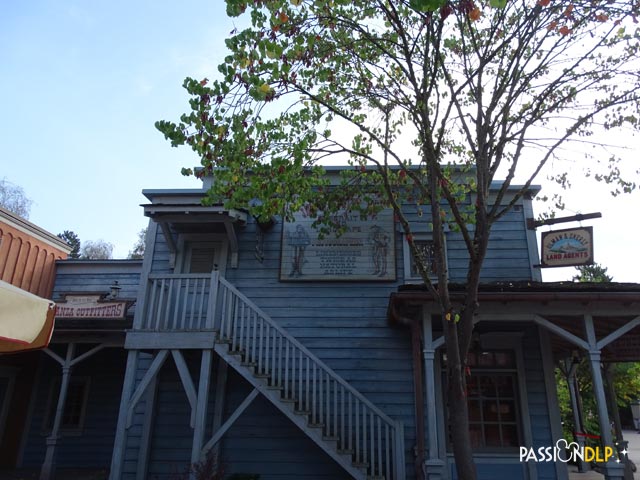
x=187, y=383
x=315, y=434
x=230, y=421
x=154, y=368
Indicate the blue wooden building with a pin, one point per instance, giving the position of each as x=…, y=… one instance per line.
x=282, y=355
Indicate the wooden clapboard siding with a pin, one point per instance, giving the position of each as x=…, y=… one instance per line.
x=344, y=324
x=92, y=447
x=28, y=254
x=263, y=441
x=97, y=276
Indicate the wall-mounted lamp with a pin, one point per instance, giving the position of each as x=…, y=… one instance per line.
x=115, y=290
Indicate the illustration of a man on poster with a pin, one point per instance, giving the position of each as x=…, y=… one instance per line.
x=299, y=241
x=379, y=241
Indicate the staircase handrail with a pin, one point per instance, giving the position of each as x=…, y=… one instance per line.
x=309, y=354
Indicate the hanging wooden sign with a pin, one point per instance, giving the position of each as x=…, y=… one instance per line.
x=571, y=247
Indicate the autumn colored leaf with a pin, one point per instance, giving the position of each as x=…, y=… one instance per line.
x=564, y=30
x=283, y=17
x=552, y=26
x=296, y=2
x=602, y=17
x=544, y=3
x=569, y=10
x=475, y=14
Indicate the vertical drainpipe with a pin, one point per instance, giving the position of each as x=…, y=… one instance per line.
x=418, y=389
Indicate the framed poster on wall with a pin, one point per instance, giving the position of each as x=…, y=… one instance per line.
x=365, y=252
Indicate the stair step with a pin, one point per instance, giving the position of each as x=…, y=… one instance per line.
x=249, y=364
x=315, y=425
x=262, y=375
x=302, y=412
x=330, y=438
x=289, y=400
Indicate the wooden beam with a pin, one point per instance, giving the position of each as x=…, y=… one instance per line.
x=154, y=368
x=618, y=333
x=233, y=242
x=218, y=405
x=187, y=383
x=170, y=243
x=533, y=224
x=570, y=337
x=147, y=430
x=117, y=459
x=230, y=421
x=87, y=354
x=48, y=466
x=201, y=405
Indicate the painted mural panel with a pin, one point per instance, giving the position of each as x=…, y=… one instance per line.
x=366, y=250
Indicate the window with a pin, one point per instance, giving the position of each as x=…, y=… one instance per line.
x=426, y=247
x=492, y=387
x=74, y=408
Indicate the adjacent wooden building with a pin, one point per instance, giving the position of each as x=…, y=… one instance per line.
x=283, y=355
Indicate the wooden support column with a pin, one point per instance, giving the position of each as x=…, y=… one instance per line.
x=201, y=406
x=48, y=466
x=612, y=470
x=569, y=370
x=612, y=400
x=434, y=465
x=218, y=406
x=121, y=434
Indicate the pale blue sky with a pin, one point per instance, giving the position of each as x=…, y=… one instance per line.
x=82, y=83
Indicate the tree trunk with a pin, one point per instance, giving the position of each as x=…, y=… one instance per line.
x=459, y=426
x=458, y=413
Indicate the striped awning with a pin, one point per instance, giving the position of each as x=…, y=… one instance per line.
x=26, y=320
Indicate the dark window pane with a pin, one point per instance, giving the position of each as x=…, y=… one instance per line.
x=487, y=386
x=507, y=411
x=492, y=436
x=475, y=432
x=490, y=411
x=510, y=436
x=474, y=411
x=504, y=384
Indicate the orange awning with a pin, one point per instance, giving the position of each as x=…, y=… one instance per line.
x=26, y=320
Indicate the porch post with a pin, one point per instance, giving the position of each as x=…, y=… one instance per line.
x=621, y=444
x=435, y=466
x=46, y=472
x=612, y=470
x=570, y=374
x=128, y=386
x=201, y=406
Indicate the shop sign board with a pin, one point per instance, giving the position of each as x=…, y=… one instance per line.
x=570, y=247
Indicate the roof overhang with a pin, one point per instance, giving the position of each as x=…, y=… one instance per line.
x=614, y=308
x=175, y=210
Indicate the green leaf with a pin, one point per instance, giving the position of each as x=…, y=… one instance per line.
x=498, y=3
x=426, y=5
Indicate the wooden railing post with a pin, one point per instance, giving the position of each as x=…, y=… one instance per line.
x=213, y=300
x=398, y=454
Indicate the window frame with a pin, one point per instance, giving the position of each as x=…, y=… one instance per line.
x=407, y=255
x=491, y=342
x=52, y=404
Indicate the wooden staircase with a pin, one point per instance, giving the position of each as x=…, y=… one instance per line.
x=339, y=419
x=195, y=311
